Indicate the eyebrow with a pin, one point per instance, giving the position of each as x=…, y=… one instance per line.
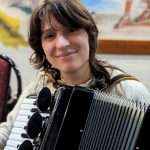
x=52, y=29
x=47, y=30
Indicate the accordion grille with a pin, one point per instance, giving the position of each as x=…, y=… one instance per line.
x=113, y=123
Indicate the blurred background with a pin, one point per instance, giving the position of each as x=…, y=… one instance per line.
x=14, y=21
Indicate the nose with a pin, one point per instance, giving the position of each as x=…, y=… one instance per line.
x=62, y=42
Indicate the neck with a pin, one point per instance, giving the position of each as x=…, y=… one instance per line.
x=76, y=78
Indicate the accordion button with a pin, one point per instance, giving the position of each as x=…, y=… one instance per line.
x=44, y=99
x=34, y=125
x=26, y=145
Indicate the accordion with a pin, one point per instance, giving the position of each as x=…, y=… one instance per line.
x=86, y=119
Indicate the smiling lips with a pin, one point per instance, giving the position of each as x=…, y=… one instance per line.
x=65, y=54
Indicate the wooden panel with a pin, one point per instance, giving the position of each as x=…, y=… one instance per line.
x=123, y=47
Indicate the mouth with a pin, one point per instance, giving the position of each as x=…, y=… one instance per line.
x=66, y=54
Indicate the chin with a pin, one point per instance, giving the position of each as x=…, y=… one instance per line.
x=69, y=69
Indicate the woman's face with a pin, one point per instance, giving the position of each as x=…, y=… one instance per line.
x=65, y=49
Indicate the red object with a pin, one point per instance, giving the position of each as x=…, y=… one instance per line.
x=4, y=84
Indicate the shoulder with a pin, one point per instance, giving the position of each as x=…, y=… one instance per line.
x=37, y=83
x=129, y=87
x=132, y=89
x=41, y=80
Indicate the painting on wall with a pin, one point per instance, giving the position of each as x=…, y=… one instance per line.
x=121, y=18
x=14, y=19
x=116, y=19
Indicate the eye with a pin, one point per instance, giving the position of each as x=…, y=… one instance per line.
x=48, y=36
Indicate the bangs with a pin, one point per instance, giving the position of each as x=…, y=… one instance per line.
x=66, y=13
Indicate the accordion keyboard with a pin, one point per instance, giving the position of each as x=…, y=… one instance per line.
x=18, y=132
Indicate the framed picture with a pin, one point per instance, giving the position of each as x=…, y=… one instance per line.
x=124, y=25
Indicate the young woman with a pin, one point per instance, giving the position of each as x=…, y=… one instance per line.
x=63, y=36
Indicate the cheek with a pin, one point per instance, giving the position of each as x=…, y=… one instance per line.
x=84, y=42
x=47, y=49
x=44, y=47
x=48, y=52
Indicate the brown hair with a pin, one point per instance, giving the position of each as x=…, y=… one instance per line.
x=72, y=14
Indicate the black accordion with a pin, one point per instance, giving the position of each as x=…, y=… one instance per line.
x=87, y=119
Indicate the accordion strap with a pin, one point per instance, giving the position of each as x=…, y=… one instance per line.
x=119, y=78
